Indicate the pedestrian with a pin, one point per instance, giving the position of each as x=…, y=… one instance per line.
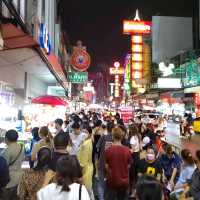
x=34, y=140
x=148, y=188
x=14, y=155
x=134, y=140
x=65, y=186
x=187, y=169
x=58, y=125
x=85, y=160
x=60, y=142
x=46, y=141
x=171, y=163
x=194, y=190
x=118, y=160
x=150, y=165
x=103, y=144
x=76, y=138
x=4, y=174
x=33, y=179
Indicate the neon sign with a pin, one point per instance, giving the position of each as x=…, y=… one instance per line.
x=131, y=27
x=115, y=71
x=137, y=29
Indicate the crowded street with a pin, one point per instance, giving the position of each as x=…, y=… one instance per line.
x=99, y=100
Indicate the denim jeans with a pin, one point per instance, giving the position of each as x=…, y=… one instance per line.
x=99, y=187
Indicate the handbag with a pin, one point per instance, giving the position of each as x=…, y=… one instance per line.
x=12, y=162
x=80, y=191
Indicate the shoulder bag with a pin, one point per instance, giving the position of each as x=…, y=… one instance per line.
x=12, y=162
x=80, y=191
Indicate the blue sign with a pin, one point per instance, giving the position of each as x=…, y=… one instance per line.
x=44, y=39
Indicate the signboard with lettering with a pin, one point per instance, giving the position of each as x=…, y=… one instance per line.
x=116, y=71
x=77, y=77
x=139, y=27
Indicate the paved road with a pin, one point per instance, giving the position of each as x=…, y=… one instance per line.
x=173, y=137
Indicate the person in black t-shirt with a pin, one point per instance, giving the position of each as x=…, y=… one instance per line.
x=60, y=145
x=150, y=165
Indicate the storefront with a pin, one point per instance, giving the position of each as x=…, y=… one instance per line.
x=9, y=113
x=170, y=104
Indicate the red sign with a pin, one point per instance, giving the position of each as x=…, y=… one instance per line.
x=126, y=114
x=80, y=60
x=132, y=27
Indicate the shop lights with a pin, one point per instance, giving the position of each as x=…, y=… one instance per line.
x=136, y=48
x=137, y=66
x=137, y=39
x=137, y=57
x=137, y=75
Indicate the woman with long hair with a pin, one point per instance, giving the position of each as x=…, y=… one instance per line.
x=33, y=179
x=46, y=141
x=187, y=169
x=65, y=186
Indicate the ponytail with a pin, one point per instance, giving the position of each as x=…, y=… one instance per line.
x=48, y=138
x=45, y=133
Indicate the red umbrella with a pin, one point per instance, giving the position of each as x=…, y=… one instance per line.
x=50, y=100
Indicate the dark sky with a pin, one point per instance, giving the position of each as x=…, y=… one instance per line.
x=98, y=23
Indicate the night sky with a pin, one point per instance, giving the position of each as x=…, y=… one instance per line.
x=99, y=23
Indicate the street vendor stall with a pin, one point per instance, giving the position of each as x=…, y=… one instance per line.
x=44, y=110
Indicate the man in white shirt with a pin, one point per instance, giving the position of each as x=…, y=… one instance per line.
x=77, y=137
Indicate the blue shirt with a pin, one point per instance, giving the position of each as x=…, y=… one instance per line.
x=168, y=164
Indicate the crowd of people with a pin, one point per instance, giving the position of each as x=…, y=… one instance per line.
x=94, y=157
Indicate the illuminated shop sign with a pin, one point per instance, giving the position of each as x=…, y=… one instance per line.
x=137, y=29
x=114, y=71
x=132, y=27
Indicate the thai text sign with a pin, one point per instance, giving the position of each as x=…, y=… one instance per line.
x=77, y=77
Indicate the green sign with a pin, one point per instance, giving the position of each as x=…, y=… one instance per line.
x=77, y=77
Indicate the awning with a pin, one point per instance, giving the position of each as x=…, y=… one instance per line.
x=14, y=37
x=49, y=100
x=192, y=90
x=56, y=66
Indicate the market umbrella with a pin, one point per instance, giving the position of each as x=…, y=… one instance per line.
x=50, y=100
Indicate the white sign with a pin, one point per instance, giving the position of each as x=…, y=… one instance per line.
x=166, y=70
x=167, y=83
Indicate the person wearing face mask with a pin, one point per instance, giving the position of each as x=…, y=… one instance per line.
x=150, y=165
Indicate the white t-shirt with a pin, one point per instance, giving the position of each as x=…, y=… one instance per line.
x=135, y=143
x=53, y=192
x=77, y=141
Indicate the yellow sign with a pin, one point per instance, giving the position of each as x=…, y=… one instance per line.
x=116, y=71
